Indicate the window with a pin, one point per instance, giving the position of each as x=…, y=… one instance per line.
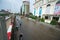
x=58, y=2
x=56, y=18
x=48, y=5
x=46, y=17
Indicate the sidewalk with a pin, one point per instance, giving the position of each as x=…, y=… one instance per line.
x=52, y=26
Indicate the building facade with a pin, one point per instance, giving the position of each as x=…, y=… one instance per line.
x=47, y=9
x=25, y=7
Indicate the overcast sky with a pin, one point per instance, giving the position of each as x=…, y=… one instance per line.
x=14, y=5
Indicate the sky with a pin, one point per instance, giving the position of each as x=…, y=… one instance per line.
x=14, y=5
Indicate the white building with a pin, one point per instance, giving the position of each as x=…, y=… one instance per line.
x=25, y=7
x=47, y=9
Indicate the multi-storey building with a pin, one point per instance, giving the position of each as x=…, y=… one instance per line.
x=47, y=9
x=25, y=7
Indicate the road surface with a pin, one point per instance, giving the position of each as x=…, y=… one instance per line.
x=36, y=31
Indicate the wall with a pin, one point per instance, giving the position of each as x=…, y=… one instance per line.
x=25, y=7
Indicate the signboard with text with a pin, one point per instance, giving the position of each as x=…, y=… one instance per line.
x=57, y=9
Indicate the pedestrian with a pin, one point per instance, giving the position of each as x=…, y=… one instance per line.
x=20, y=24
x=16, y=28
x=20, y=36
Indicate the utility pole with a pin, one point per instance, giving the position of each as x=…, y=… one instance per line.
x=3, y=30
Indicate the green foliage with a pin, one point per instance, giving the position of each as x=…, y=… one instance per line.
x=33, y=17
x=42, y=19
x=4, y=14
x=53, y=22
